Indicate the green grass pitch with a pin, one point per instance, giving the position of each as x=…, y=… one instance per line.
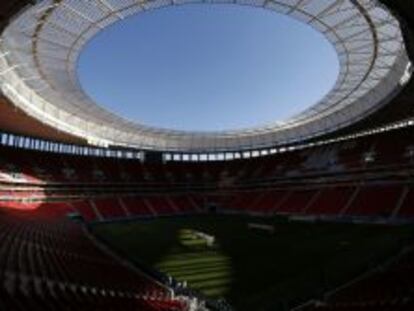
x=255, y=270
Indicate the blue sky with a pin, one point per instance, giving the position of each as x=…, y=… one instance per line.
x=208, y=67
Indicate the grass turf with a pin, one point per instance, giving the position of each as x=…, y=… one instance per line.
x=255, y=270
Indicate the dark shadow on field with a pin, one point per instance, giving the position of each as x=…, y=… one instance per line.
x=145, y=241
x=268, y=272
x=302, y=261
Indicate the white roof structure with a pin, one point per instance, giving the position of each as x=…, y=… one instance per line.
x=40, y=48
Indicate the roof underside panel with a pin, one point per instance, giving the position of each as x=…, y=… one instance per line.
x=41, y=47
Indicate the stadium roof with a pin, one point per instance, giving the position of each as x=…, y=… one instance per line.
x=40, y=48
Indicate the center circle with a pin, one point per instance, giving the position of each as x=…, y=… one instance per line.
x=208, y=67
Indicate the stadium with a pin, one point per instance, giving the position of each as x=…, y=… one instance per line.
x=98, y=212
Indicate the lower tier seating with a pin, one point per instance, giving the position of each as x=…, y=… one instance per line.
x=48, y=262
x=375, y=200
x=389, y=289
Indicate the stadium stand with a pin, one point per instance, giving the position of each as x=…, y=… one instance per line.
x=322, y=205
x=387, y=288
x=369, y=186
x=50, y=262
x=376, y=191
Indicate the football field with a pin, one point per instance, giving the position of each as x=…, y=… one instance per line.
x=254, y=269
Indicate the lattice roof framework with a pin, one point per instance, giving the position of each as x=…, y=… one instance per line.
x=41, y=47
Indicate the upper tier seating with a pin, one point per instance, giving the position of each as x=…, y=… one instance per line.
x=366, y=177
x=378, y=151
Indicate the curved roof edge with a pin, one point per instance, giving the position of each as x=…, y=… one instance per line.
x=40, y=49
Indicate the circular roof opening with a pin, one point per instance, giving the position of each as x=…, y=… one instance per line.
x=208, y=68
x=42, y=77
